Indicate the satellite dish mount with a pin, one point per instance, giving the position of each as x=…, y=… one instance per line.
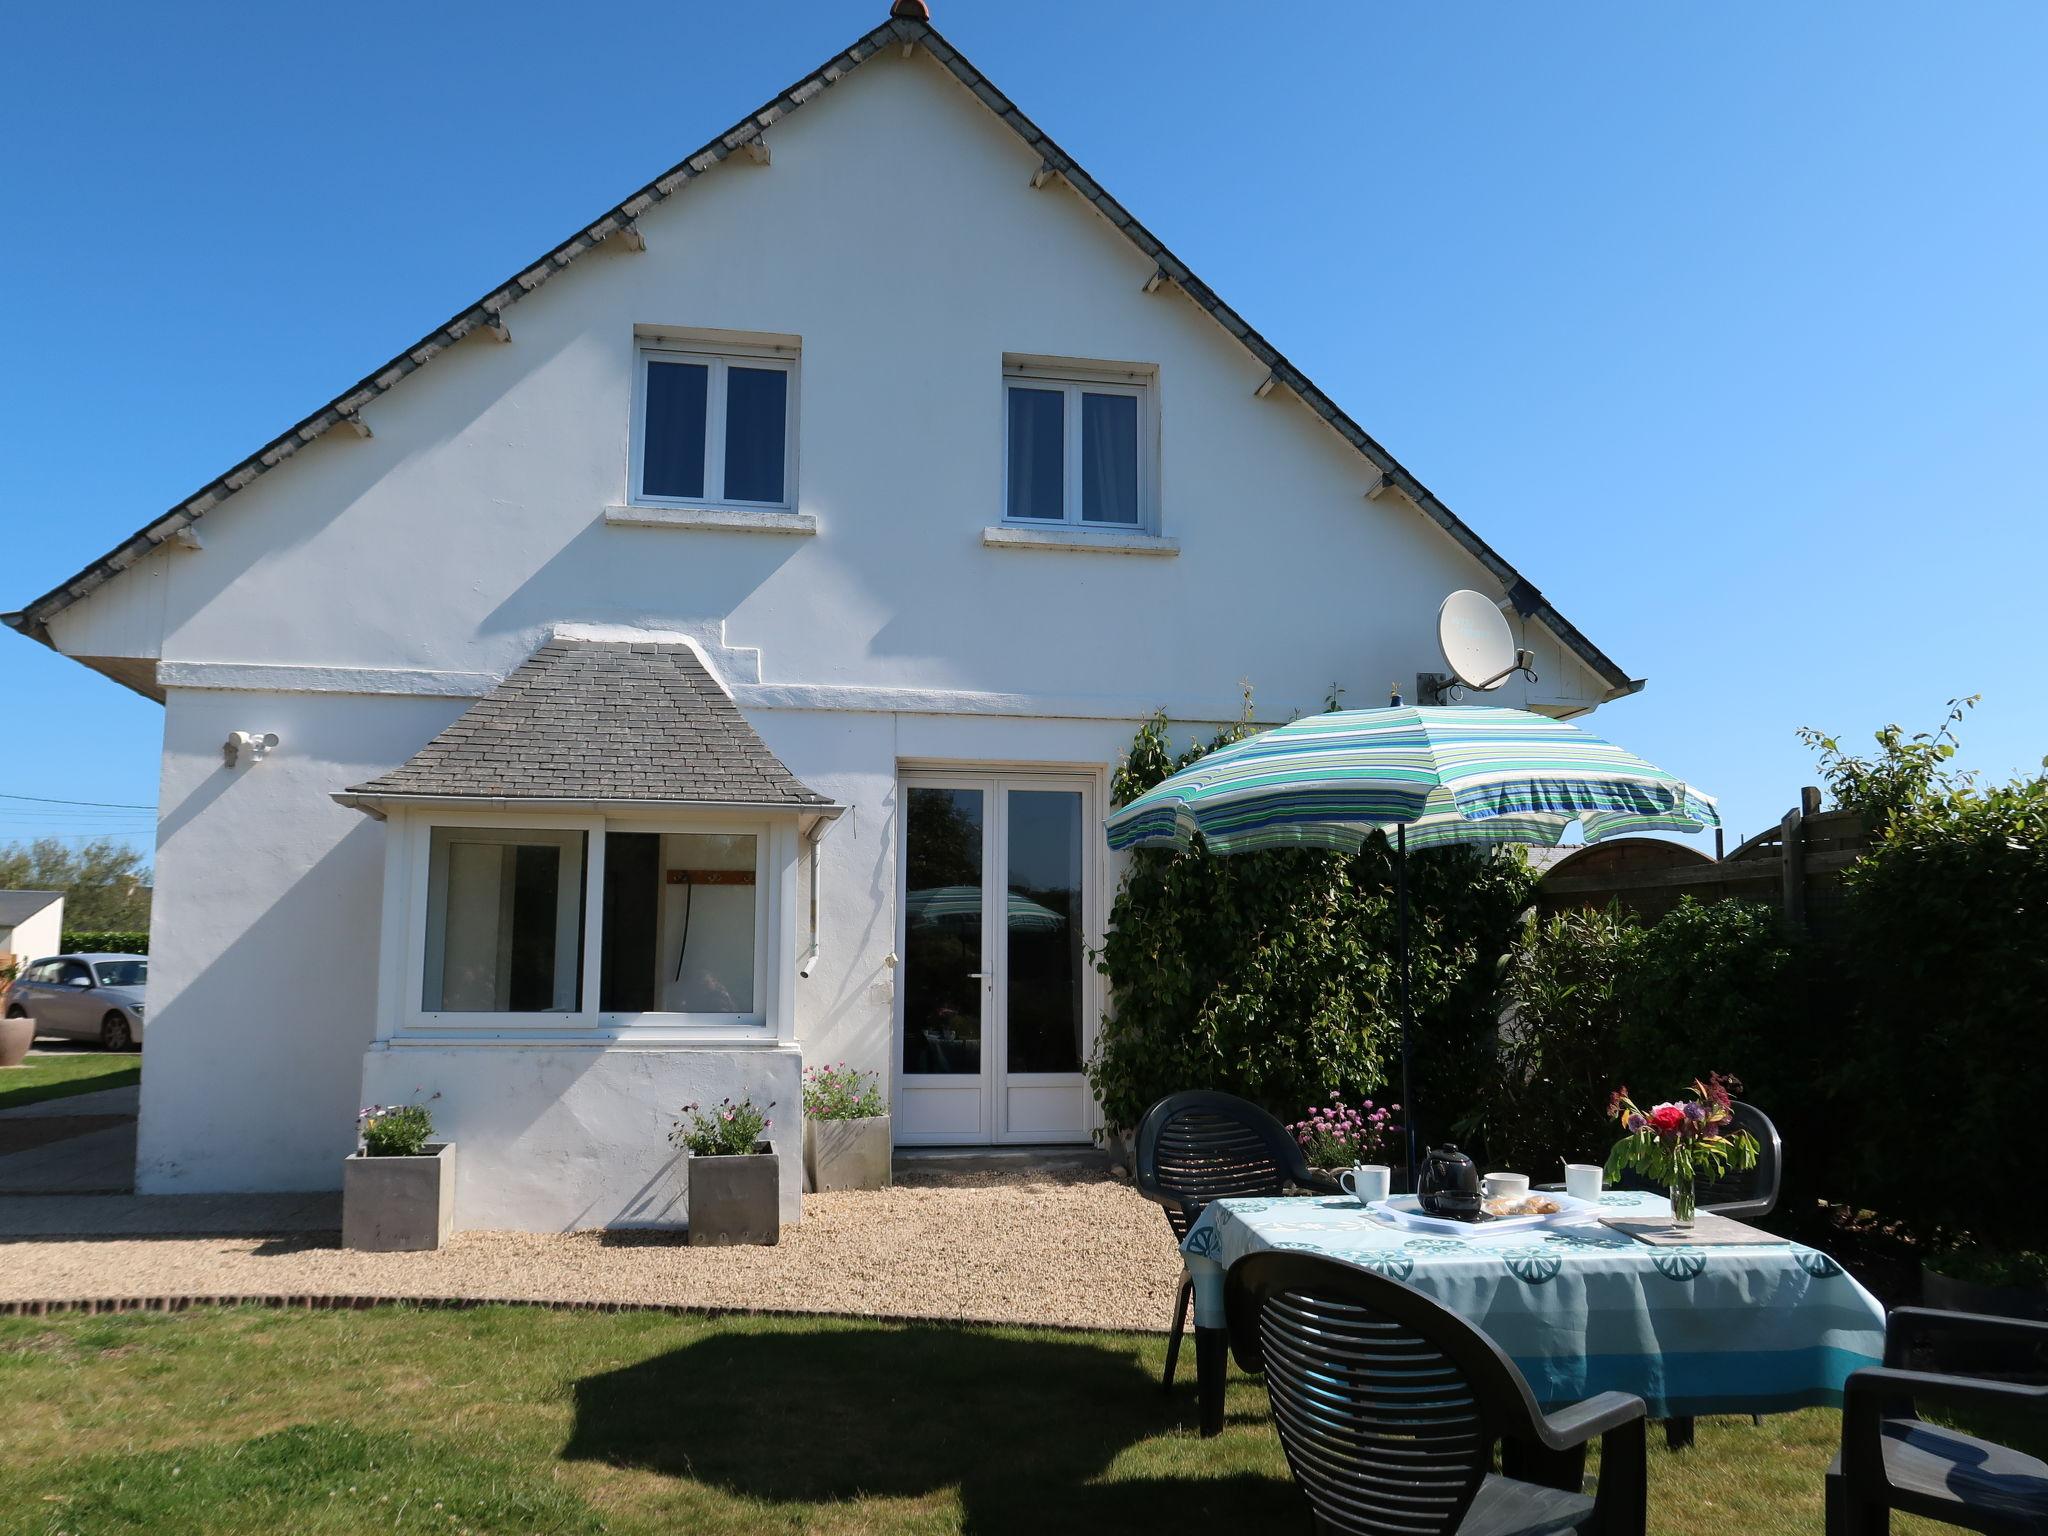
x=1478, y=649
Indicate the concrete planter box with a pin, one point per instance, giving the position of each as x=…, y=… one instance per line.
x=736, y=1200
x=16, y=1036
x=847, y=1154
x=398, y=1204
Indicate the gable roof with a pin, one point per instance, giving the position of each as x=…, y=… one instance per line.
x=908, y=30
x=20, y=906
x=612, y=720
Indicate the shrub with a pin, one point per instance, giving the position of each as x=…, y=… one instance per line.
x=727, y=1129
x=112, y=941
x=395, y=1130
x=841, y=1093
x=1944, y=926
x=1542, y=1097
x=1271, y=975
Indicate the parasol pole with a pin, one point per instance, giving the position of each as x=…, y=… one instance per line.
x=1407, y=1010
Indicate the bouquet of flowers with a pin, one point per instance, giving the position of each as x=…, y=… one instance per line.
x=1674, y=1144
x=1338, y=1136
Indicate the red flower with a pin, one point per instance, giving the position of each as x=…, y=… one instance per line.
x=1665, y=1119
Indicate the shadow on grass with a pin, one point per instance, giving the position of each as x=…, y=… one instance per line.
x=1026, y=1428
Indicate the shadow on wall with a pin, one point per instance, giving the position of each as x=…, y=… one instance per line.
x=1023, y=1427
x=649, y=577
x=290, y=1060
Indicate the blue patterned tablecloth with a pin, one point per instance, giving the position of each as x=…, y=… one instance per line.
x=1692, y=1330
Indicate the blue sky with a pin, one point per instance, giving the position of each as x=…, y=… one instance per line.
x=1726, y=324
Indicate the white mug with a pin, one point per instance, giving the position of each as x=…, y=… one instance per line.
x=1582, y=1181
x=1367, y=1182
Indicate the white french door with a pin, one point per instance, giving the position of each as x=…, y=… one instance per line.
x=995, y=999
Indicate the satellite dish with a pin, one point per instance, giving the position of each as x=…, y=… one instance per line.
x=1478, y=647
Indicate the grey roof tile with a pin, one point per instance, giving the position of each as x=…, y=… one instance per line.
x=602, y=720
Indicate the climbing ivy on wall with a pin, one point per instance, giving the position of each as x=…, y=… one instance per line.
x=1272, y=975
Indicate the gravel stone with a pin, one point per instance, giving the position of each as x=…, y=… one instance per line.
x=1059, y=1247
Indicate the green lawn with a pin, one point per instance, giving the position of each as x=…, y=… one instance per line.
x=513, y=1419
x=61, y=1076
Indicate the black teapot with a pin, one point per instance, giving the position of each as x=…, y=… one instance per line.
x=1448, y=1185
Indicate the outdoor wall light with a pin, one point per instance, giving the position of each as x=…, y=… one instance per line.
x=247, y=746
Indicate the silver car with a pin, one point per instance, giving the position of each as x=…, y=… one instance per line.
x=83, y=997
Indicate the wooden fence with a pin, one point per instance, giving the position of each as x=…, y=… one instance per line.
x=1796, y=866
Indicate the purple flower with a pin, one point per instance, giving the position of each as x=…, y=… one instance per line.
x=1635, y=1124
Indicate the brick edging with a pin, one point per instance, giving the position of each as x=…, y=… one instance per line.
x=95, y=1305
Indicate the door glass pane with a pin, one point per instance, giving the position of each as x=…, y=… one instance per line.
x=504, y=924
x=942, y=989
x=1109, y=458
x=1038, y=452
x=1043, y=931
x=673, y=455
x=756, y=408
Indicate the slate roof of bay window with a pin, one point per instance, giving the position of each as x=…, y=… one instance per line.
x=602, y=720
x=912, y=28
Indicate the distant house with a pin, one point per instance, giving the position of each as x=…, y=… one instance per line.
x=709, y=652
x=31, y=924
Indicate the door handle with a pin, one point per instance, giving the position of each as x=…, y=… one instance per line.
x=977, y=975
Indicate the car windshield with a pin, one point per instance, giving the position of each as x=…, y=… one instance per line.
x=122, y=973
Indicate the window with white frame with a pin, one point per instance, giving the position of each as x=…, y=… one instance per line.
x=715, y=427
x=1078, y=445
x=681, y=923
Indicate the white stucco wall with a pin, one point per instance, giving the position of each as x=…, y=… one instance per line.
x=353, y=600
x=36, y=936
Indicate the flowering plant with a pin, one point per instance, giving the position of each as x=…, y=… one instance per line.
x=841, y=1093
x=1337, y=1136
x=1676, y=1143
x=394, y=1130
x=725, y=1130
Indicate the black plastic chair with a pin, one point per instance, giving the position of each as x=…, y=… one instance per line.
x=1199, y=1146
x=1389, y=1407
x=1892, y=1459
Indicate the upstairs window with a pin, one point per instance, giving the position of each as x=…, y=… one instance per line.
x=715, y=428
x=1078, y=446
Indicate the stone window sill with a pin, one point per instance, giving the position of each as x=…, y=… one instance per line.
x=1086, y=540
x=721, y=519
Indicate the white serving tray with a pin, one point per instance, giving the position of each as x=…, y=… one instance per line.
x=1406, y=1211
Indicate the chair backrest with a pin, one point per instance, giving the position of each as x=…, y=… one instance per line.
x=1199, y=1146
x=1388, y=1405
x=1754, y=1191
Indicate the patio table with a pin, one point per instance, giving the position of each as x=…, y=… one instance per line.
x=1690, y=1330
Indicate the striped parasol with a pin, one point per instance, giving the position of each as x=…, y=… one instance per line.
x=1448, y=775
x=1426, y=778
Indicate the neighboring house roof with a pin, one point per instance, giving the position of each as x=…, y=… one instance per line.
x=20, y=906
x=601, y=720
x=620, y=222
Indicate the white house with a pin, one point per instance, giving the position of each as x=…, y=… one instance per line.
x=31, y=924
x=708, y=653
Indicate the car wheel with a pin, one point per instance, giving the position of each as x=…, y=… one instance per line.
x=16, y=1011
x=115, y=1035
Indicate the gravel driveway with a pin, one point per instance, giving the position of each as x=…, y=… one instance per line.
x=1081, y=1249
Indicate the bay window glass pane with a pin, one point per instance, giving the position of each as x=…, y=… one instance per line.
x=504, y=922
x=672, y=462
x=707, y=900
x=1109, y=458
x=756, y=411
x=1038, y=452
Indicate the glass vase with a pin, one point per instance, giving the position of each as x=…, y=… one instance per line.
x=1684, y=1203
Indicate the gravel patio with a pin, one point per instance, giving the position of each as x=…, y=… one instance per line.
x=1068, y=1247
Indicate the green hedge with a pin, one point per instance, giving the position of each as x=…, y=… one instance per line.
x=110, y=942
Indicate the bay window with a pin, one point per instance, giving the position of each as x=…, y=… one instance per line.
x=592, y=924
